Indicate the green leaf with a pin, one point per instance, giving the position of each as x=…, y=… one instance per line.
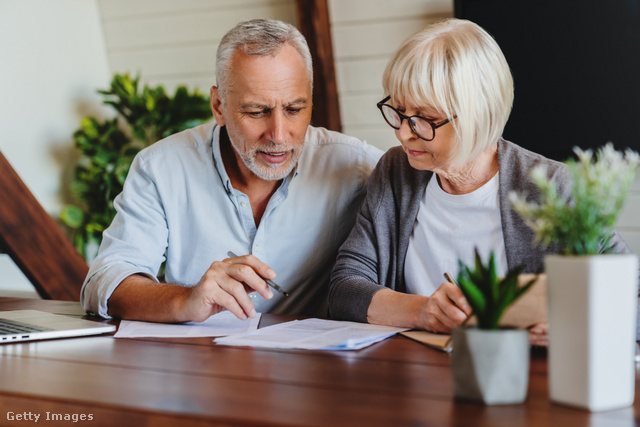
x=89, y=126
x=72, y=216
x=474, y=295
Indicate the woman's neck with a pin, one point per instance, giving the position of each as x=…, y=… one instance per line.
x=470, y=176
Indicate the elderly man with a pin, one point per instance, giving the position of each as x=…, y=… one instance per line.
x=260, y=183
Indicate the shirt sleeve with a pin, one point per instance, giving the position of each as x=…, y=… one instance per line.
x=134, y=243
x=354, y=280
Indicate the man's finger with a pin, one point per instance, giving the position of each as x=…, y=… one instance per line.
x=232, y=294
x=247, y=269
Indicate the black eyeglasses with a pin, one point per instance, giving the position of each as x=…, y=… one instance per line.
x=423, y=128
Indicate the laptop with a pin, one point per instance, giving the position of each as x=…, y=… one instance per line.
x=30, y=325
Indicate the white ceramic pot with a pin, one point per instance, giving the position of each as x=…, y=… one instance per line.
x=491, y=367
x=592, y=303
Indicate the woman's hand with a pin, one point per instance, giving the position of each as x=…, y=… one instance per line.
x=446, y=308
x=440, y=312
x=539, y=334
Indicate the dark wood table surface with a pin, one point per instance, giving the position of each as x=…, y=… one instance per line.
x=194, y=382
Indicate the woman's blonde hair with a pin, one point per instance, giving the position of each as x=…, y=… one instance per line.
x=457, y=69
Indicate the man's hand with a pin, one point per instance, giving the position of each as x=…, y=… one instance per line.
x=446, y=308
x=227, y=285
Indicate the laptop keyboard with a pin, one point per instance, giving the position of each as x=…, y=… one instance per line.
x=12, y=327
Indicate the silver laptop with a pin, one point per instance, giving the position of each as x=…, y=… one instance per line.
x=29, y=325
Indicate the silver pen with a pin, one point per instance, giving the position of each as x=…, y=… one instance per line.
x=271, y=283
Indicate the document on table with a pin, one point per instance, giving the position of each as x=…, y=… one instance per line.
x=314, y=334
x=219, y=325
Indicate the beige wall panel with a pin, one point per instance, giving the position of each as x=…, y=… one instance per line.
x=381, y=137
x=361, y=75
x=171, y=61
x=115, y=9
x=341, y=11
x=373, y=39
x=360, y=109
x=205, y=25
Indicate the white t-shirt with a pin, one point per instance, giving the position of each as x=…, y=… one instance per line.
x=448, y=228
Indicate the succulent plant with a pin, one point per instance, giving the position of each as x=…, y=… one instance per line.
x=488, y=295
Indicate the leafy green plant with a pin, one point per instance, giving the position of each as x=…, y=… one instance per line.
x=488, y=295
x=145, y=115
x=583, y=224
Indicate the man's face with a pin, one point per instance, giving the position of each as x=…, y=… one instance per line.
x=266, y=112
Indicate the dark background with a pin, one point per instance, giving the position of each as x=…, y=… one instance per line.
x=576, y=68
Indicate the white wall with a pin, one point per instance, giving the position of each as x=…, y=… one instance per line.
x=52, y=59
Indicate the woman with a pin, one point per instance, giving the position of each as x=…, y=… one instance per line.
x=444, y=192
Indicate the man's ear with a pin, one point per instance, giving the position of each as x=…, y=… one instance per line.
x=216, y=105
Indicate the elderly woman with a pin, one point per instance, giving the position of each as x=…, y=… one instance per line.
x=444, y=191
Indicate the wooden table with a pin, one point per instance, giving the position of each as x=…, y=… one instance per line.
x=193, y=382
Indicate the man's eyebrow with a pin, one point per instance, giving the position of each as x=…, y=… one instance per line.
x=256, y=106
x=259, y=106
x=303, y=101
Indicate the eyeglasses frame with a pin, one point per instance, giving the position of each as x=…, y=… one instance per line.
x=433, y=124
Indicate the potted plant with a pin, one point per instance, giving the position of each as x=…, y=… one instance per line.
x=145, y=115
x=592, y=293
x=490, y=364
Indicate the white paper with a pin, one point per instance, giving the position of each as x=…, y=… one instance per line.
x=314, y=334
x=219, y=325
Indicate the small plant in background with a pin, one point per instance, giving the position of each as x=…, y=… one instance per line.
x=488, y=295
x=108, y=147
x=583, y=224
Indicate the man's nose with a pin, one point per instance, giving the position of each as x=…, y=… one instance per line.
x=277, y=128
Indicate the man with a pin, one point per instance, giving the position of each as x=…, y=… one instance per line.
x=259, y=181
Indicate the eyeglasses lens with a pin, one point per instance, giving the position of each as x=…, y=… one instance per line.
x=420, y=126
x=391, y=116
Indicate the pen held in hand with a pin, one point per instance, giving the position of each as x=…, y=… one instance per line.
x=271, y=283
x=447, y=346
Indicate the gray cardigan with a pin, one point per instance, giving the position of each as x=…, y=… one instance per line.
x=373, y=255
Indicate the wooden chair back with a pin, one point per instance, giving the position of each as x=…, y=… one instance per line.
x=35, y=241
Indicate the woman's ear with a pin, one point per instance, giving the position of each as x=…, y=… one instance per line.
x=216, y=105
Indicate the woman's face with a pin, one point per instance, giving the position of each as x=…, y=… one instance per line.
x=434, y=155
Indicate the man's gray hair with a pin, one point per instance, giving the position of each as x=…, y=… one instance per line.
x=258, y=37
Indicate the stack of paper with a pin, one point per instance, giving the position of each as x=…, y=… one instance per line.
x=219, y=325
x=314, y=334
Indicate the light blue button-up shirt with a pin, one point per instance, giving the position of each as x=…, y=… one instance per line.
x=178, y=204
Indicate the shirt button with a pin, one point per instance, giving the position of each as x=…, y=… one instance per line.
x=252, y=295
x=243, y=204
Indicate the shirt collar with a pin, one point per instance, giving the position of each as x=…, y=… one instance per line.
x=217, y=159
